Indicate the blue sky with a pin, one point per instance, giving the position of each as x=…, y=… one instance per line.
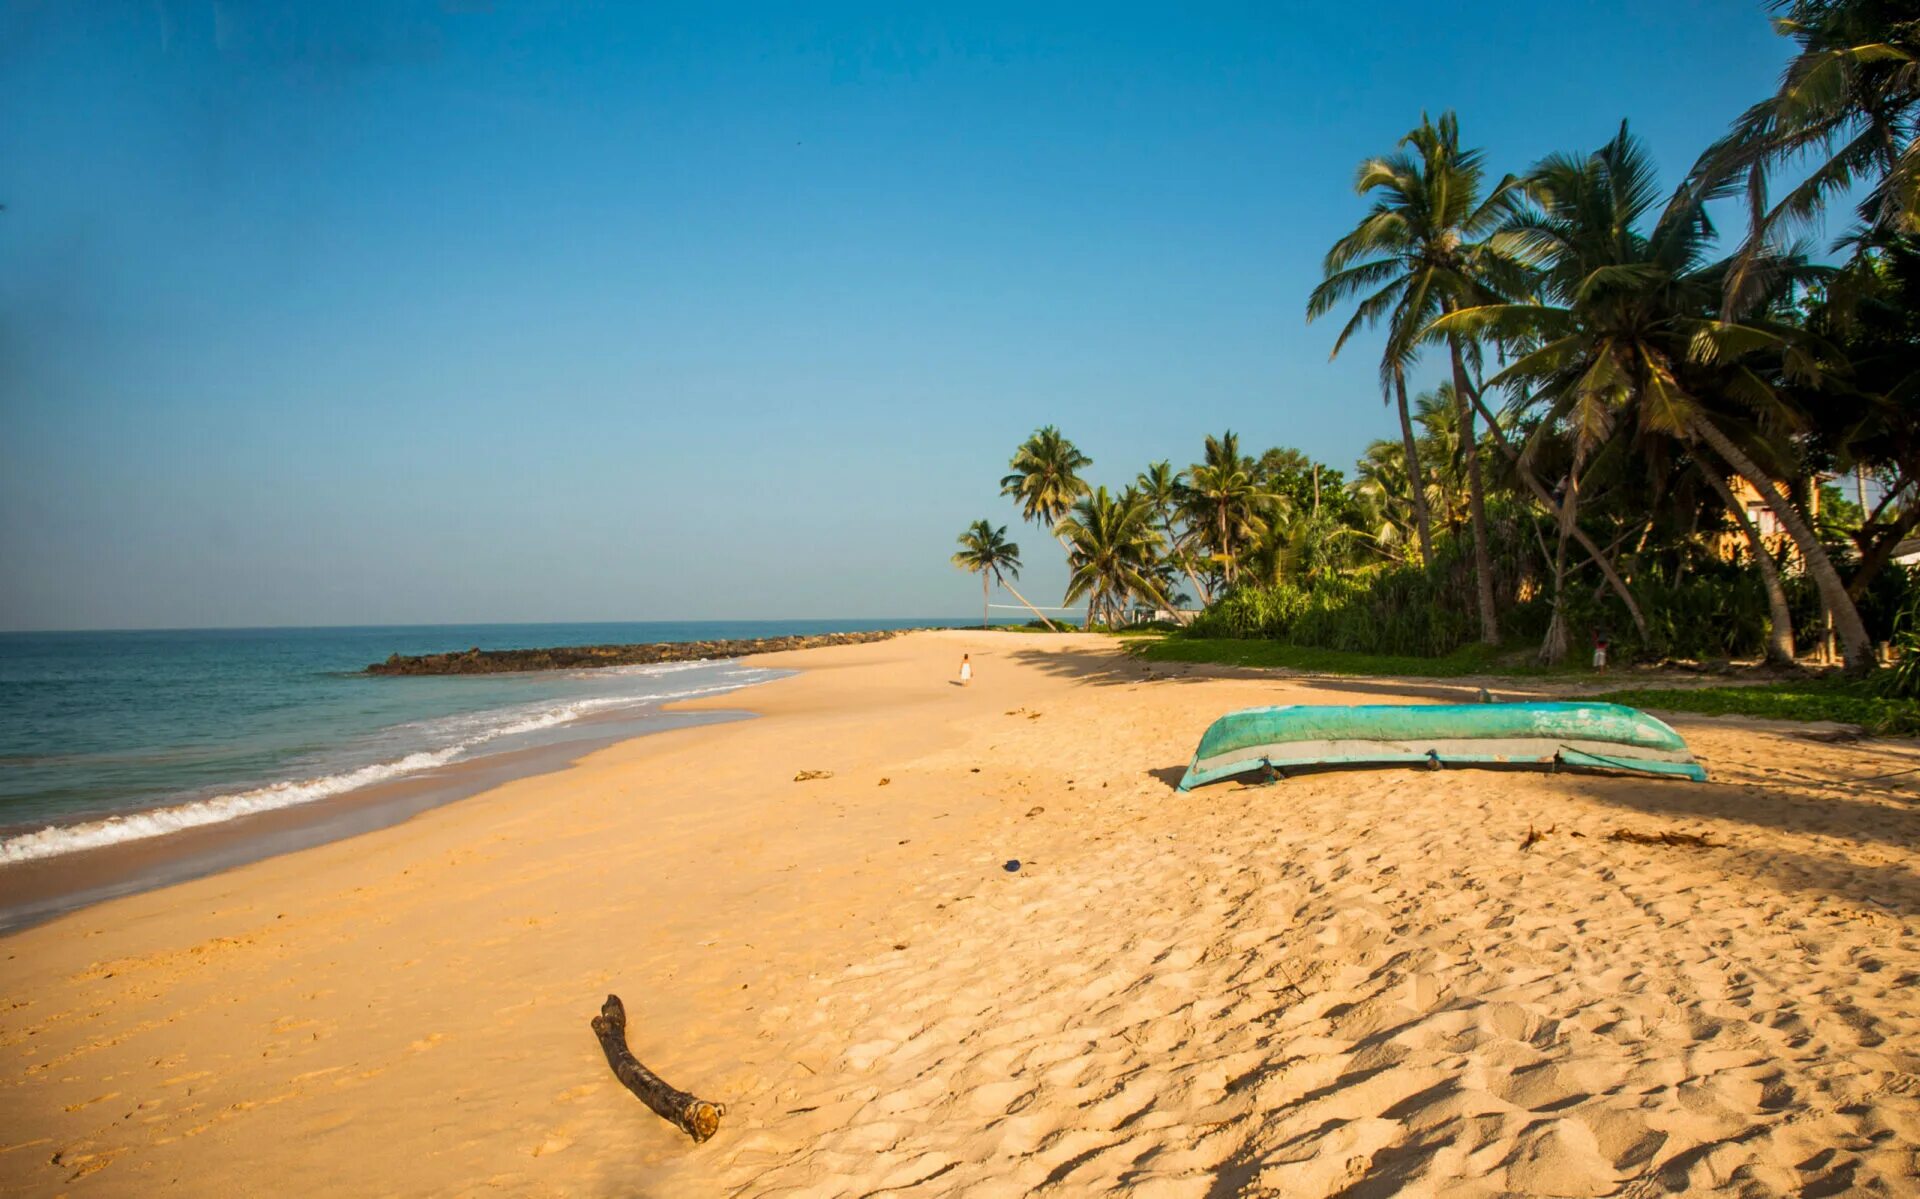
x=334, y=314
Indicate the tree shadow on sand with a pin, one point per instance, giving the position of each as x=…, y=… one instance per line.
x=1861, y=875
x=1767, y=804
x=1113, y=667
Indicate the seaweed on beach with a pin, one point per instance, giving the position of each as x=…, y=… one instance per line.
x=1690, y=840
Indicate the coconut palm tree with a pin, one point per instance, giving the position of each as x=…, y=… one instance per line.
x=1626, y=329
x=1226, y=503
x=1382, y=494
x=1779, y=615
x=1418, y=253
x=1112, y=552
x=1849, y=99
x=1442, y=456
x=986, y=551
x=1164, y=489
x=1046, y=477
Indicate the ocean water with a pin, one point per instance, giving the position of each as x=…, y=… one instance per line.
x=117, y=736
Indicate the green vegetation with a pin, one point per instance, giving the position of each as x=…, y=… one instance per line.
x=1218, y=651
x=1845, y=701
x=1637, y=432
x=986, y=551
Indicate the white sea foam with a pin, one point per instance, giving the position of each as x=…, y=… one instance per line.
x=468, y=732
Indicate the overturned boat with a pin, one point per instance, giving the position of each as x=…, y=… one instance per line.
x=1589, y=735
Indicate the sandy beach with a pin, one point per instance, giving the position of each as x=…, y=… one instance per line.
x=1347, y=983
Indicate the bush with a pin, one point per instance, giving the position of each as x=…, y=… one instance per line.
x=1718, y=610
x=1382, y=610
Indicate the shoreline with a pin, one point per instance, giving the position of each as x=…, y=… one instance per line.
x=41, y=889
x=992, y=951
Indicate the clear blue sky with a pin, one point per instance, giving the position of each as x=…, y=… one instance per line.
x=340, y=313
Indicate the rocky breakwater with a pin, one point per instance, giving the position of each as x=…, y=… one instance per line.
x=586, y=657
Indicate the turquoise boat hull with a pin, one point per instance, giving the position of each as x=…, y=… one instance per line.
x=1590, y=735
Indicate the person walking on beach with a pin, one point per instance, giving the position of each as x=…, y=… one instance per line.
x=1600, y=642
x=966, y=669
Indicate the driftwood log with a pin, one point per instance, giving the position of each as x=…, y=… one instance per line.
x=695, y=1117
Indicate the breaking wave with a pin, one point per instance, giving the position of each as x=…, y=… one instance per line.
x=468, y=733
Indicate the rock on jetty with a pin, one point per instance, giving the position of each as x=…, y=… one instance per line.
x=583, y=657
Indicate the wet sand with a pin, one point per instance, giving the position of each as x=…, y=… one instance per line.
x=1350, y=982
x=38, y=890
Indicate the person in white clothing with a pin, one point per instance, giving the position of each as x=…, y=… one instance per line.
x=966, y=669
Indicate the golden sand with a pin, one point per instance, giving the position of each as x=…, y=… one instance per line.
x=1354, y=982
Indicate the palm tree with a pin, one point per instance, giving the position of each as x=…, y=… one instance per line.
x=1046, y=477
x=1849, y=98
x=1442, y=456
x=986, y=551
x=1112, y=553
x=1382, y=493
x=1779, y=615
x=1226, y=502
x=1421, y=252
x=1625, y=326
x=1164, y=490
x=1306, y=549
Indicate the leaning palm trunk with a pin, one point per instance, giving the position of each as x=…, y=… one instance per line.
x=1186, y=565
x=1779, y=617
x=1416, y=489
x=1198, y=589
x=1553, y=647
x=1610, y=577
x=1855, y=649
x=1476, y=499
x=1067, y=545
x=1051, y=627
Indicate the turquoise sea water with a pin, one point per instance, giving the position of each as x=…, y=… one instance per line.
x=116, y=736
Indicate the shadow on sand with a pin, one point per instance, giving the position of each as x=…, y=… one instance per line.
x=1111, y=667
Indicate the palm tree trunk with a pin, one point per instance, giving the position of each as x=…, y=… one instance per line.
x=1179, y=554
x=1226, y=555
x=1855, y=648
x=1476, y=498
x=1610, y=577
x=1553, y=647
x=1186, y=566
x=1779, y=616
x=986, y=600
x=1068, y=547
x=1051, y=627
x=1416, y=488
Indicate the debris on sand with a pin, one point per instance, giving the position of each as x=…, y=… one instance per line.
x=1691, y=840
x=807, y=776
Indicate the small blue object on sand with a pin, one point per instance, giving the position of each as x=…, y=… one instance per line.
x=1587, y=735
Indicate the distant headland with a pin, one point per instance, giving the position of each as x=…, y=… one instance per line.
x=587, y=657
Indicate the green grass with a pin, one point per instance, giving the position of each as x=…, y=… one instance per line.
x=1842, y=701
x=1227, y=651
x=1838, y=700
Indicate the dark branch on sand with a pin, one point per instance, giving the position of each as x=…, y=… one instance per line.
x=697, y=1118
